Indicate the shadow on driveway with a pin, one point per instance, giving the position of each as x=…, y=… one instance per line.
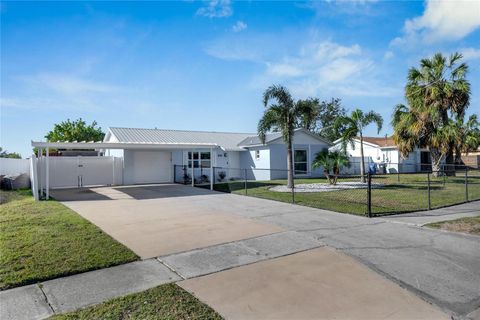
x=137, y=192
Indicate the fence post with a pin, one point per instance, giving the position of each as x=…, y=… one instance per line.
x=245, y=174
x=369, y=195
x=466, y=184
x=428, y=188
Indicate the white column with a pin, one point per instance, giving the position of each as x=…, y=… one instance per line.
x=113, y=169
x=39, y=171
x=211, y=169
x=34, y=176
x=193, y=177
x=47, y=178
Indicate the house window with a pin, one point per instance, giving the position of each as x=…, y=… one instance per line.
x=300, y=161
x=205, y=159
x=257, y=154
x=200, y=159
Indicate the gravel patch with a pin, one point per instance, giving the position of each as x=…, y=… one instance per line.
x=324, y=187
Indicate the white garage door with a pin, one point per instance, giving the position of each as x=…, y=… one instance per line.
x=148, y=167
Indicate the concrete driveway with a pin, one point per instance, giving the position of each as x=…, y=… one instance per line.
x=199, y=233
x=157, y=220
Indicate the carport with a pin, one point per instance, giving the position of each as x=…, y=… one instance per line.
x=151, y=162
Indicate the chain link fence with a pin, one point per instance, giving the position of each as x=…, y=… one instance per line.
x=372, y=195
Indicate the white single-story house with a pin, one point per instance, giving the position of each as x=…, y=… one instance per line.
x=232, y=153
x=140, y=156
x=383, y=152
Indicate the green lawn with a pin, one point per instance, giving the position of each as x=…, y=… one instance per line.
x=404, y=193
x=167, y=301
x=44, y=240
x=469, y=225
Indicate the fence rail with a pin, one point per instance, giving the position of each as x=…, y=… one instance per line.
x=372, y=195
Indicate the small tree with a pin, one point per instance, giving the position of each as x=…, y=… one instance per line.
x=339, y=160
x=322, y=159
x=331, y=161
x=76, y=130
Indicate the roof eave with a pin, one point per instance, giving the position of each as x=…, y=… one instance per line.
x=119, y=145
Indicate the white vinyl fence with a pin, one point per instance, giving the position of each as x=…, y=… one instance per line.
x=67, y=172
x=14, y=167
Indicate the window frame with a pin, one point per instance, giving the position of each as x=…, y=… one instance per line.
x=300, y=172
x=199, y=161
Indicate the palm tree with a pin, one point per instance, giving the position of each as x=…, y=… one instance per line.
x=322, y=159
x=333, y=161
x=413, y=127
x=434, y=90
x=284, y=115
x=354, y=126
x=339, y=160
x=465, y=136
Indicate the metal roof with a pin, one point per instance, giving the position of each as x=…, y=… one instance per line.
x=74, y=145
x=254, y=140
x=380, y=142
x=227, y=140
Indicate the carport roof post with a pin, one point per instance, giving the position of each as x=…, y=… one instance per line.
x=120, y=145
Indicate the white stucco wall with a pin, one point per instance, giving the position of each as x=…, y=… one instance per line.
x=301, y=140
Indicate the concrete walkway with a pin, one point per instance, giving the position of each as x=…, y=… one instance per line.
x=470, y=209
x=441, y=267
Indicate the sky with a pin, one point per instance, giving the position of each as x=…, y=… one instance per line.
x=203, y=65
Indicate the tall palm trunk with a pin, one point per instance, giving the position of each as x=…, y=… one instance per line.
x=450, y=162
x=362, y=164
x=436, y=158
x=290, y=165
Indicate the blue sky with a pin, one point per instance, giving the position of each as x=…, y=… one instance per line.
x=203, y=65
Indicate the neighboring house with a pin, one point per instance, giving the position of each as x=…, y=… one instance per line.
x=136, y=156
x=383, y=152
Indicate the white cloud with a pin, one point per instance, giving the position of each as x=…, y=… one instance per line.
x=216, y=9
x=325, y=61
x=240, y=48
x=317, y=67
x=388, y=55
x=442, y=20
x=239, y=26
x=67, y=84
x=283, y=70
x=326, y=68
x=470, y=53
x=51, y=91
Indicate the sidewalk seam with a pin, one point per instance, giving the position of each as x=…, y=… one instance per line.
x=265, y=258
x=40, y=286
x=170, y=268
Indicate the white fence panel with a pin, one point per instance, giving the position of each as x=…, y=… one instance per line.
x=10, y=166
x=67, y=172
x=96, y=171
x=64, y=172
